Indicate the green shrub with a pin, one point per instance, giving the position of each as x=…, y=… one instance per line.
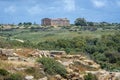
x=52, y=67
x=90, y=76
x=100, y=57
x=15, y=76
x=4, y=72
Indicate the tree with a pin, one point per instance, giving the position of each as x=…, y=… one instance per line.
x=90, y=23
x=27, y=24
x=20, y=24
x=80, y=22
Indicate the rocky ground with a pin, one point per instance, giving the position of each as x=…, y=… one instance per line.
x=18, y=60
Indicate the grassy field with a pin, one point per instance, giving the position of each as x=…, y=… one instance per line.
x=41, y=36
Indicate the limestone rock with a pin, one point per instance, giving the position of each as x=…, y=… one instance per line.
x=117, y=76
x=69, y=70
x=67, y=63
x=7, y=52
x=57, y=52
x=29, y=77
x=13, y=58
x=40, y=53
x=58, y=77
x=45, y=78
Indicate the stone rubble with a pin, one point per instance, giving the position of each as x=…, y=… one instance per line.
x=76, y=65
x=29, y=77
x=45, y=78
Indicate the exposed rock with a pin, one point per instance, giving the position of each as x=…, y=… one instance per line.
x=77, y=78
x=59, y=61
x=58, y=52
x=67, y=63
x=77, y=56
x=15, y=54
x=73, y=76
x=82, y=58
x=63, y=79
x=45, y=78
x=42, y=53
x=23, y=59
x=58, y=77
x=76, y=65
x=13, y=58
x=7, y=52
x=29, y=77
x=46, y=53
x=92, y=66
x=69, y=70
x=117, y=76
x=68, y=56
x=105, y=75
x=89, y=62
x=20, y=69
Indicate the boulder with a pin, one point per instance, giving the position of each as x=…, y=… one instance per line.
x=7, y=52
x=20, y=69
x=15, y=54
x=82, y=58
x=77, y=56
x=67, y=63
x=42, y=53
x=69, y=70
x=68, y=56
x=13, y=58
x=117, y=76
x=29, y=77
x=57, y=52
x=89, y=62
x=58, y=77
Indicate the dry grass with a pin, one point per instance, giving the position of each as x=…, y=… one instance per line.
x=6, y=64
x=10, y=65
x=24, y=52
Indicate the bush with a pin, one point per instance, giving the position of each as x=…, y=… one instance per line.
x=4, y=72
x=100, y=57
x=15, y=77
x=90, y=76
x=52, y=67
x=112, y=57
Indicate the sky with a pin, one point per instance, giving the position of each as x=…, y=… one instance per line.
x=15, y=11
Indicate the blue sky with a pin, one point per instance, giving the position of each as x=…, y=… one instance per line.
x=15, y=11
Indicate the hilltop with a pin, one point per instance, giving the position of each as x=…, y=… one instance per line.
x=91, y=51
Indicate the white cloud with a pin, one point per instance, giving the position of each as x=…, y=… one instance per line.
x=10, y=9
x=69, y=5
x=34, y=10
x=99, y=3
